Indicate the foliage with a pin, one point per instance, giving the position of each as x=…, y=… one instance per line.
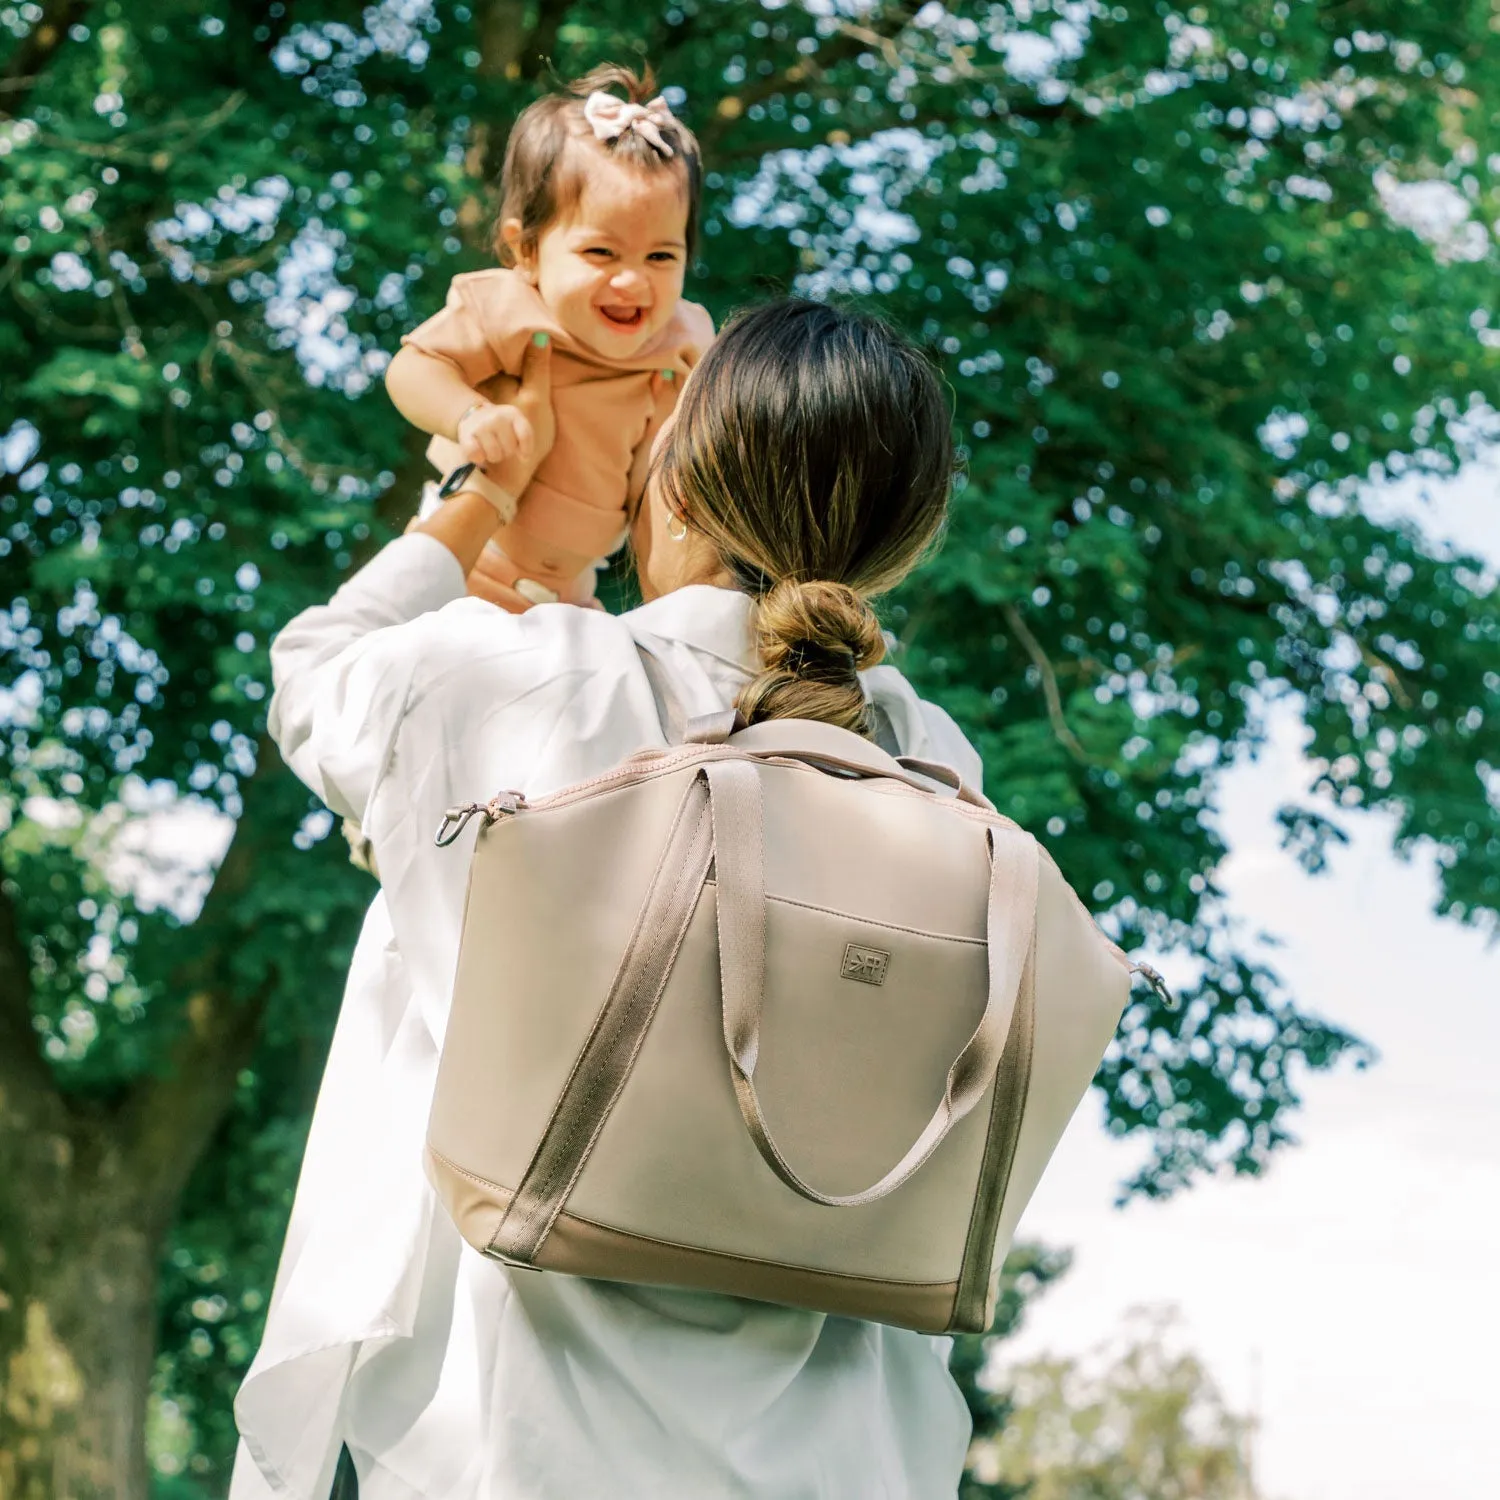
x=1028, y=1271
x=1149, y=1423
x=1136, y=1420
x=1165, y=256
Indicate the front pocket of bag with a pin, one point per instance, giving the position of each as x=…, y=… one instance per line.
x=850, y=1071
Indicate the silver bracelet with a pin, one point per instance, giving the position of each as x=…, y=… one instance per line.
x=463, y=416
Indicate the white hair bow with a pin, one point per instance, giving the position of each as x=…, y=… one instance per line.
x=610, y=117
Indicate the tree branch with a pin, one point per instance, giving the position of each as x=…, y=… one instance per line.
x=169, y=1119
x=1384, y=673
x=508, y=48
x=169, y=1116
x=879, y=31
x=26, y=64
x=1065, y=736
x=536, y=55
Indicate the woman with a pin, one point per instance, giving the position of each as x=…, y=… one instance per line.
x=807, y=467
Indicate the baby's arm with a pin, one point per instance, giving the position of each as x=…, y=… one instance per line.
x=430, y=393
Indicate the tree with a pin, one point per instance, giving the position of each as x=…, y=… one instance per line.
x=1028, y=1271
x=1143, y=1419
x=1138, y=1419
x=1154, y=248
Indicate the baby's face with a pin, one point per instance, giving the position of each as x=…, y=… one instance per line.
x=611, y=270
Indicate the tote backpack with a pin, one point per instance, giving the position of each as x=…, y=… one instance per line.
x=771, y=1013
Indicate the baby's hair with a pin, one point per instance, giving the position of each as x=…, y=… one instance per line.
x=545, y=169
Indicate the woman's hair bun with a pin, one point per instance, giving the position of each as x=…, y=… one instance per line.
x=818, y=619
x=814, y=639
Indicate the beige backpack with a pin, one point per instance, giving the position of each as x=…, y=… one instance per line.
x=773, y=1013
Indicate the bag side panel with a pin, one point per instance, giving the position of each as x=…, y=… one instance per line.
x=553, y=897
x=1081, y=991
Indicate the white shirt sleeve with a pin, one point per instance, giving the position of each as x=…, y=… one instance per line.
x=342, y=671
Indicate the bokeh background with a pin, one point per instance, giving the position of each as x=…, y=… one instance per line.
x=1213, y=286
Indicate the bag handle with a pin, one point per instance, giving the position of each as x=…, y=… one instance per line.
x=739, y=860
x=945, y=775
x=830, y=748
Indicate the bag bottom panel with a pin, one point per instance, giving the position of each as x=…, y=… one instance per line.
x=579, y=1247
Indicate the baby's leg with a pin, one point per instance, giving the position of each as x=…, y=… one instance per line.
x=542, y=575
x=497, y=568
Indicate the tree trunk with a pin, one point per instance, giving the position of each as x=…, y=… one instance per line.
x=80, y=1242
x=89, y=1190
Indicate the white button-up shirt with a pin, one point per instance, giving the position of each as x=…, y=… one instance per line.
x=448, y=1376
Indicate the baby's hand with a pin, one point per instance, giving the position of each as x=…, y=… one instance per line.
x=493, y=434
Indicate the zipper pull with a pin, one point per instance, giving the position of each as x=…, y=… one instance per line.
x=456, y=819
x=1157, y=983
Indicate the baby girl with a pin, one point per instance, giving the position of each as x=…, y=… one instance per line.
x=598, y=218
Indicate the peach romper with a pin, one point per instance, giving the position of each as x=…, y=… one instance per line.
x=578, y=500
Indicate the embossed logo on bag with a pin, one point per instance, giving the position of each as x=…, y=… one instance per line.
x=868, y=965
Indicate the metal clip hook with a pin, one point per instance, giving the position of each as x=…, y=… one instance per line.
x=456, y=819
x=1157, y=983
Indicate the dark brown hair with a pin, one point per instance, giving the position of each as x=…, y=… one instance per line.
x=545, y=167
x=813, y=447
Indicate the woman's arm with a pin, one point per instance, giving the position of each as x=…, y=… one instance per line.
x=467, y=521
x=343, y=671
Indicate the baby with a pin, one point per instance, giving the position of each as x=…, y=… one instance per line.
x=598, y=218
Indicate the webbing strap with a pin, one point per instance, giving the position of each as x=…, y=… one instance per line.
x=734, y=789
x=604, y=1063
x=719, y=824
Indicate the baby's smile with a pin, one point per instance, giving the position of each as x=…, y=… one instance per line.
x=622, y=317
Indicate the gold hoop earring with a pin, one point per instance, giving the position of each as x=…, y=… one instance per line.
x=677, y=536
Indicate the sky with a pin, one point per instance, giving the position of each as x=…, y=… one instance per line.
x=1348, y=1298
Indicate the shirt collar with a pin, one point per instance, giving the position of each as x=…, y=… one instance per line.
x=710, y=619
